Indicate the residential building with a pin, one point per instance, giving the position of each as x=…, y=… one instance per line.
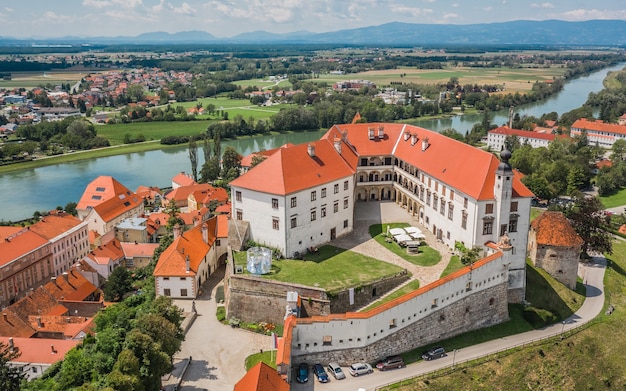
x=201, y=195
x=68, y=237
x=136, y=229
x=26, y=261
x=598, y=132
x=106, y=257
x=188, y=261
x=103, y=189
x=138, y=255
x=181, y=180
x=303, y=196
x=262, y=377
x=37, y=354
x=496, y=137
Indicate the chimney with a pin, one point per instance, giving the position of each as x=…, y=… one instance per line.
x=425, y=144
x=6, y=317
x=39, y=324
x=66, y=277
x=11, y=345
x=54, y=351
x=370, y=132
x=205, y=233
x=407, y=134
x=413, y=139
x=337, y=145
x=381, y=132
x=187, y=263
x=177, y=231
x=311, y=150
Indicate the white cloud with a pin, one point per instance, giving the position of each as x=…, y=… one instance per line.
x=542, y=5
x=8, y=9
x=449, y=16
x=412, y=11
x=487, y=9
x=158, y=7
x=455, y=5
x=53, y=17
x=127, y=4
x=587, y=14
x=184, y=9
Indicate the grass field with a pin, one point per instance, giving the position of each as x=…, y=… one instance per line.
x=617, y=199
x=454, y=265
x=427, y=256
x=151, y=130
x=34, y=79
x=408, y=288
x=513, y=79
x=268, y=357
x=332, y=269
x=591, y=359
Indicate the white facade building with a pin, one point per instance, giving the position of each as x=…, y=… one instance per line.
x=457, y=192
x=599, y=132
x=496, y=138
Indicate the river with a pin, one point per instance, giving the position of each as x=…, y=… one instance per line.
x=44, y=188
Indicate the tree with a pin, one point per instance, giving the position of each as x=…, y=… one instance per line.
x=588, y=219
x=231, y=159
x=162, y=330
x=118, y=284
x=193, y=158
x=256, y=159
x=153, y=363
x=10, y=376
x=468, y=255
x=173, y=210
x=70, y=208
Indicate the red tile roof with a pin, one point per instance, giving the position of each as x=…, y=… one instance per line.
x=600, y=126
x=292, y=169
x=183, y=179
x=553, y=229
x=190, y=244
x=183, y=192
x=505, y=130
x=222, y=226
x=261, y=377
x=105, y=253
x=114, y=207
x=139, y=249
x=72, y=286
x=49, y=227
x=18, y=244
x=101, y=189
x=40, y=350
x=5, y=232
x=247, y=160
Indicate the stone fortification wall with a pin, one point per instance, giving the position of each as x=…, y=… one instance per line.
x=560, y=262
x=470, y=313
x=340, y=302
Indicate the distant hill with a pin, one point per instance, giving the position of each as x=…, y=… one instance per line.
x=519, y=32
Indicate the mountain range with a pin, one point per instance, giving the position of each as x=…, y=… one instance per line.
x=520, y=32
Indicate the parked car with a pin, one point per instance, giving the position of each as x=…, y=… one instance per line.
x=390, y=363
x=336, y=370
x=303, y=373
x=432, y=353
x=321, y=374
x=360, y=368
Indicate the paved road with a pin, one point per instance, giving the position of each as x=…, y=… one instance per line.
x=592, y=274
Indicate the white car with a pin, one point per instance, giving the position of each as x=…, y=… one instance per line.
x=360, y=368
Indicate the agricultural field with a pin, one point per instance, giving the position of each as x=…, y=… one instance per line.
x=30, y=80
x=262, y=84
x=513, y=80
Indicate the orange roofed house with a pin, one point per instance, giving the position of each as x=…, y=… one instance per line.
x=106, y=202
x=304, y=196
x=261, y=377
x=188, y=261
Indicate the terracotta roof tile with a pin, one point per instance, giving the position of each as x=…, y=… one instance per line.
x=49, y=227
x=99, y=190
x=222, y=226
x=72, y=286
x=261, y=377
x=139, y=249
x=553, y=229
x=18, y=244
x=113, y=207
x=505, y=130
x=599, y=126
x=41, y=350
x=183, y=179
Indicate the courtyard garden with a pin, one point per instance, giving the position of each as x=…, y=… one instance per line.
x=425, y=256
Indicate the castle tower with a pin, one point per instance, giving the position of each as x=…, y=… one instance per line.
x=507, y=216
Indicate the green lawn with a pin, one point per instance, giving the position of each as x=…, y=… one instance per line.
x=535, y=212
x=268, y=357
x=332, y=269
x=454, y=265
x=151, y=130
x=617, y=199
x=410, y=287
x=427, y=256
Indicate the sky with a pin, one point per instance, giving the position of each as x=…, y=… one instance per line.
x=227, y=18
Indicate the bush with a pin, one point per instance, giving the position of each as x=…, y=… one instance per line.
x=538, y=317
x=220, y=313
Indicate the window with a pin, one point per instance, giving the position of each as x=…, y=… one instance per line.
x=183, y=278
x=336, y=188
x=345, y=185
x=450, y=211
x=489, y=209
x=336, y=207
x=274, y=203
x=293, y=202
x=293, y=222
x=166, y=278
x=465, y=202
x=183, y=292
x=323, y=193
x=167, y=292
x=514, y=206
x=345, y=203
x=487, y=228
x=442, y=209
x=313, y=195
x=34, y=369
x=345, y=223
x=238, y=195
x=428, y=197
x=435, y=201
x=513, y=226
x=323, y=212
x=275, y=223
x=451, y=194
x=239, y=214
x=313, y=215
